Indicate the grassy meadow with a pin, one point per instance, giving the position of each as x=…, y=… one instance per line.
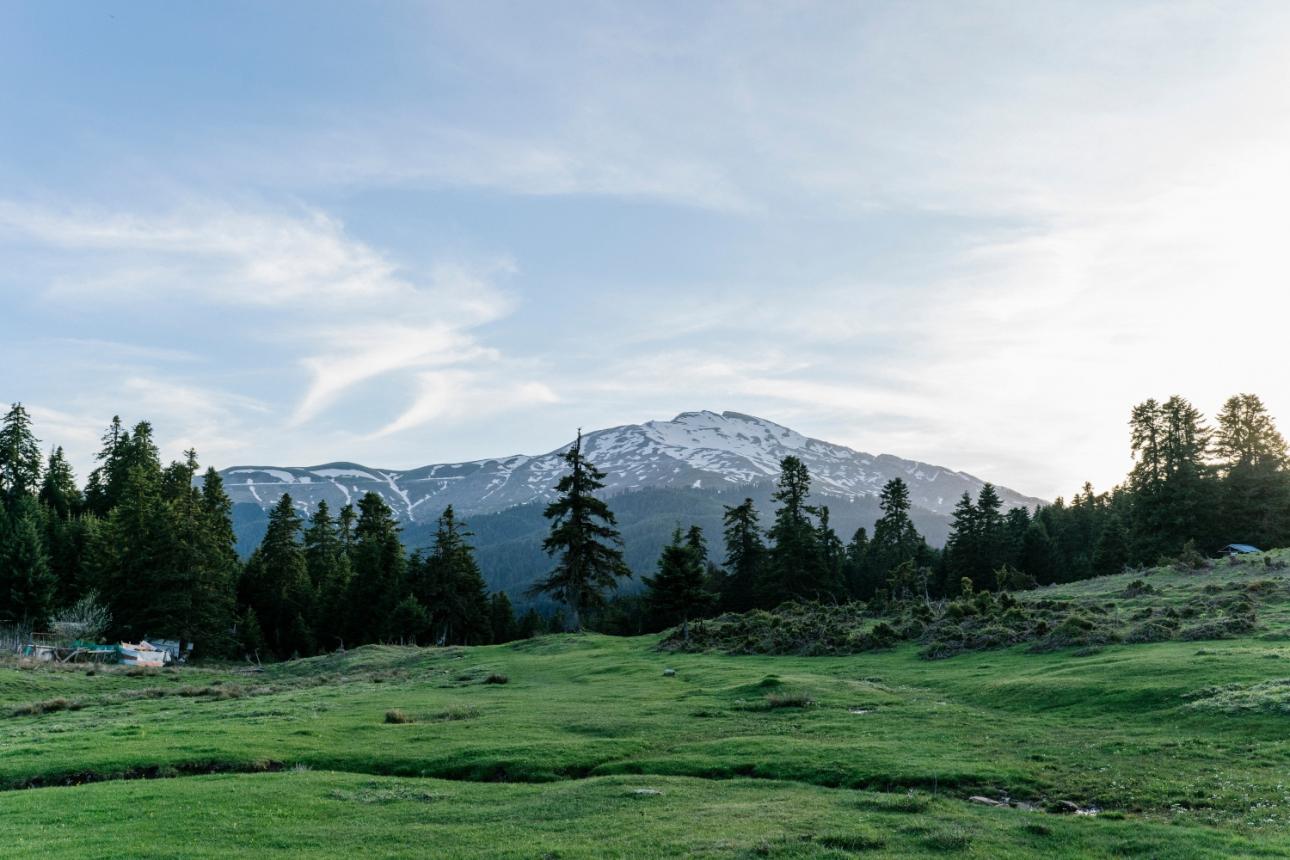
x=581, y=746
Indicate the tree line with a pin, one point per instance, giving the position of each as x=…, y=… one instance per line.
x=156, y=544
x=1193, y=489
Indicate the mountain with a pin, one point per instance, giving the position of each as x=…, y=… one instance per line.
x=695, y=450
x=659, y=474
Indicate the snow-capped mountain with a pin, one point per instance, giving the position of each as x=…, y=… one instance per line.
x=703, y=450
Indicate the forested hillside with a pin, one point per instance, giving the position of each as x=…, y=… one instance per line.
x=151, y=548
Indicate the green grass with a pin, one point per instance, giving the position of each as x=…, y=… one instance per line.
x=590, y=750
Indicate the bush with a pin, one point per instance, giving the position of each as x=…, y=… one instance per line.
x=796, y=699
x=497, y=678
x=394, y=716
x=457, y=712
x=852, y=841
x=1137, y=588
x=49, y=706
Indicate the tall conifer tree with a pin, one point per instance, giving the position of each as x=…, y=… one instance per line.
x=584, y=540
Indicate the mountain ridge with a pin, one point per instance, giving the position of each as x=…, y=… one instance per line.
x=699, y=449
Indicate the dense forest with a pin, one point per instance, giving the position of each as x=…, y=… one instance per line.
x=151, y=546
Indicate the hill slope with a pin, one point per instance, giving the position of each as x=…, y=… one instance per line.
x=1170, y=749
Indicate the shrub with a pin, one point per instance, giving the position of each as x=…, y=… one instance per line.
x=1150, y=631
x=852, y=841
x=395, y=716
x=497, y=678
x=794, y=699
x=49, y=706
x=1138, y=588
x=457, y=712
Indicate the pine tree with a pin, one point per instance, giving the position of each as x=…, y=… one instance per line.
x=963, y=546
x=529, y=624
x=408, y=621
x=194, y=593
x=65, y=531
x=58, y=490
x=27, y=585
x=584, y=539
x=452, y=588
x=103, y=488
x=1039, y=556
x=345, y=528
x=854, y=565
x=745, y=557
x=895, y=540
x=991, y=535
x=832, y=555
x=502, y=618
x=1252, y=459
x=1172, y=490
x=378, y=582
x=216, y=584
x=1112, y=551
x=676, y=593
x=19, y=456
x=131, y=549
x=275, y=584
x=796, y=568
x=329, y=576
x=1015, y=524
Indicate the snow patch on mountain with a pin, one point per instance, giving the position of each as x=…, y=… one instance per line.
x=695, y=450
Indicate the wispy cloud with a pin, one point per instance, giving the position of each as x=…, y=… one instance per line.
x=294, y=283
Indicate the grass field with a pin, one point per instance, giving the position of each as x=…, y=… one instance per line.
x=588, y=750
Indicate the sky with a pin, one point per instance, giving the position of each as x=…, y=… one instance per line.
x=970, y=233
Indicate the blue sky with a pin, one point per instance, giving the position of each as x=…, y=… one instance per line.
x=401, y=233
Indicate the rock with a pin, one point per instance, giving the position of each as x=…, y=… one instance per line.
x=1063, y=807
x=984, y=801
x=669, y=673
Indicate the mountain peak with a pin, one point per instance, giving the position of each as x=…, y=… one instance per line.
x=702, y=450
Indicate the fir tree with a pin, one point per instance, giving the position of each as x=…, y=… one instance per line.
x=854, y=565
x=796, y=568
x=408, y=621
x=103, y=489
x=58, y=490
x=1252, y=459
x=963, y=546
x=275, y=584
x=745, y=557
x=1172, y=492
x=131, y=550
x=895, y=540
x=832, y=555
x=329, y=576
x=452, y=588
x=19, y=456
x=27, y=585
x=65, y=530
x=529, y=624
x=501, y=617
x=584, y=540
x=195, y=588
x=1039, y=556
x=676, y=593
x=1112, y=551
x=378, y=582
